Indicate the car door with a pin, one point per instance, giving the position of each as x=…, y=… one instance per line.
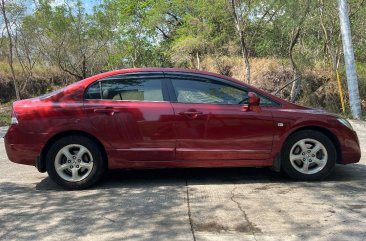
x=132, y=114
x=211, y=125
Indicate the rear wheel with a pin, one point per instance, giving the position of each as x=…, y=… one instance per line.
x=308, y=155
x=75, y=162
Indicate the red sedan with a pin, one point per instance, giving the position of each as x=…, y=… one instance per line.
x=160, y=118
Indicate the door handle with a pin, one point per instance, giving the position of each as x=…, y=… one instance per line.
x=108, y=111
x=191, y=114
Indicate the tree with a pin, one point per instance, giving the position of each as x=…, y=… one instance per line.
x=203, y=34
x=70, y=38
x=329, y=26
x=298, y=18
x=240, y=12
x=134, y=42
x=26, y=49
x=11, y=46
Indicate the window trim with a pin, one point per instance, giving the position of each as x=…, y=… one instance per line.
x=167, y=86
x=169, y=76
x=139, y=75
x=100, y=89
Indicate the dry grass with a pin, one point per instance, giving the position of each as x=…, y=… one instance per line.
x=43, y=79
x=38, y=70
x=320, y=88
x=5, y=112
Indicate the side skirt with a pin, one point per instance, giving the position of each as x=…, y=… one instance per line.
x=189, y=163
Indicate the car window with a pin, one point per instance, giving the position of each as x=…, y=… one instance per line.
x=264, y=101
x=93, y=92
x=207, y=91
x=132, y=89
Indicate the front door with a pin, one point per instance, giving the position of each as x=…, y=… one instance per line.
x=211, y=125
x=130, y=112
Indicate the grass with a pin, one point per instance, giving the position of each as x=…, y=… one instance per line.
x=37, y=70
x=4, y=119
x=5, y=113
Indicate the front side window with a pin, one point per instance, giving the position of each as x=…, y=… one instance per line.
x=207, y=92
x=264, y=101
x=129, y=89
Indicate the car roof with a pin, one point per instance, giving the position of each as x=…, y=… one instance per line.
x=166, y=70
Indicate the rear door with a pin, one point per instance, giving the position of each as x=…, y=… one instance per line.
x=210, y=123
x=132, y=113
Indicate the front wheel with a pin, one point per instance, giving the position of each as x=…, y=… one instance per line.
x=75, y=162
x=308, y=155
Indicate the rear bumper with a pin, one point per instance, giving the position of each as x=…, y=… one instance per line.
x=22, y=154
x=21, y=147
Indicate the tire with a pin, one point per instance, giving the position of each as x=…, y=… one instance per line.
x=308, y=155
x=75, y=162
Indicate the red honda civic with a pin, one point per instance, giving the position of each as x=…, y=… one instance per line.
x=162, y=118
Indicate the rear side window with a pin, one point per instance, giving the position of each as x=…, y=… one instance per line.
x=128, y=89
x=93, y=92
x=207, y=92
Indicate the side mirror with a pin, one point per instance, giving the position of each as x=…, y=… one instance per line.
x=253, y=103
x=253, y=99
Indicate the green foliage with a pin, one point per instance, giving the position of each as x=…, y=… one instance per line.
x=179, y=33
x=68, y=37
x=4, y=119
x=5, y=114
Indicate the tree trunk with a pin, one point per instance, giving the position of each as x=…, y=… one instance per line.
x=245, y=55
x=10, y=56
x=198, y=61
x=243, y=47
x=84, y=66
x=296, y=85
x=333, y=51
x=349, y=59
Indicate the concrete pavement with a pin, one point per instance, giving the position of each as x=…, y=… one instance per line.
x=224, y=204
x=3, y=130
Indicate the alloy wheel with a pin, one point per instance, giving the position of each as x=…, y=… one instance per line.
x=74, y=162
x=308, y=156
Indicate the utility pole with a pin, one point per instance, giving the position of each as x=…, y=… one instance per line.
x=349, y=59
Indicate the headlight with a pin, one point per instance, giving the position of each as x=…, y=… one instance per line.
x=345, y=123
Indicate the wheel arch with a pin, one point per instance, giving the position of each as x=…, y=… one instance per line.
x=322, y=130
x=41, y=162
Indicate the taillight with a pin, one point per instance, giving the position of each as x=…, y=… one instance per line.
x=14, y=119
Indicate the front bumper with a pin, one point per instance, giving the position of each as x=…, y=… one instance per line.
x=350, y=147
